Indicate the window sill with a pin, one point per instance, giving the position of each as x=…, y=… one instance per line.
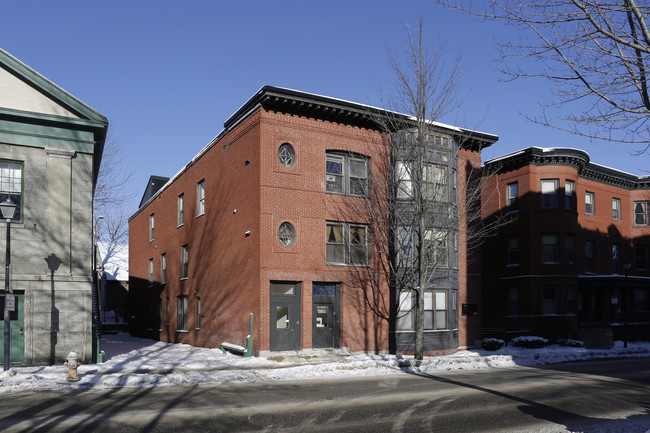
x=181, y=331
x=347, y=194
x=184, y=279
x=180, y=225
x=200, y=215
x=513, y=265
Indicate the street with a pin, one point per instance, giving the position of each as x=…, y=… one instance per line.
x=591, y=396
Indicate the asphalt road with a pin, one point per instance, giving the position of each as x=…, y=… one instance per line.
x=593, y=397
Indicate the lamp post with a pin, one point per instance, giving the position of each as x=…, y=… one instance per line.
x=8, y=210
x=626, y=267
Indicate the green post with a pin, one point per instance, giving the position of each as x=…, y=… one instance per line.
x=249, y=339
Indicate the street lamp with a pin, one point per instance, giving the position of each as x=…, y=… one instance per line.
x=626, y=265
x=8, y=210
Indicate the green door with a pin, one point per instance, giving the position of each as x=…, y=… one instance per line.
x=17, y=334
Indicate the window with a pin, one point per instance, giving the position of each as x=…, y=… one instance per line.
x=434, y=178
x=405, y=243
x=549, y=193
x=200, y=198
x=198, y=313
x=512, y=196
x=181, y=313
x=184, y=262
x=346, y=174
x=11, y=185
x=570, y=248
x=150, y=271
x=443, y=142
x=181, y=210
x=512, y=306
x=163, y=269
x=167, y=317
x=589, y=203
x=640, y=213
x=151, y=227
x=346, y=243
x=512, y=257
x=616, y=258
x=405, y=312
x=590, y=256
x=358, y=245
x=436, y=247
x=286, y=155
x=286, y=234
x=571, y=305
x=641, y=258
x=549, y=300
x=404, y=182
x=550, y=248
x=569, y=195
x=435, y=310
x=616, y=209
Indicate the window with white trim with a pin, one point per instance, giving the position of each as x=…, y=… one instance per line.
x=163, y=269
x=435, y=310
x=346, y=243
x=404, y=181
x=549, y=193
x=200, y=198
x=151, y=227
x=569, y=195
x=640, y=213
x=590, y=203
x=184, y=262
x=512, y=197
x=180, y=220
x=346, y=174
x=11, y=185
x=616, y=209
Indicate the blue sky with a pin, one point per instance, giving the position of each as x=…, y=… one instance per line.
x=167, y=74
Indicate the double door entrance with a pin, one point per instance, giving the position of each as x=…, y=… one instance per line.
x=285, y=326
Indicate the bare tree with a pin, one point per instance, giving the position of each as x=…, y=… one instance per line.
x=111, y=193
x=413, y=207
x=594, y=52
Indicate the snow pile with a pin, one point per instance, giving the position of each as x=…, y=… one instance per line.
x=136, y=363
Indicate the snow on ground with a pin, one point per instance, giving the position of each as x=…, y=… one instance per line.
x=138, y=363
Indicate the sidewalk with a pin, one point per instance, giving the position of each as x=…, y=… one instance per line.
x=139, y=363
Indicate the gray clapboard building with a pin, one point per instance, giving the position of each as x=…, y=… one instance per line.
x=50, y=150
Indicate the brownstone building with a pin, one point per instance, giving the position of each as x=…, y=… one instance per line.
x=575, y=256
x=269, y=219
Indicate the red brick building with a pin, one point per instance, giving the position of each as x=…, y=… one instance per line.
x=269, y=219
x=559, y=268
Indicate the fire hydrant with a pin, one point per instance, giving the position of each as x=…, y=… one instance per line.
x=72, y=363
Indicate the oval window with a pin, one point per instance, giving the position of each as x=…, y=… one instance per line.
x=287, y=155
x=286, y=234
